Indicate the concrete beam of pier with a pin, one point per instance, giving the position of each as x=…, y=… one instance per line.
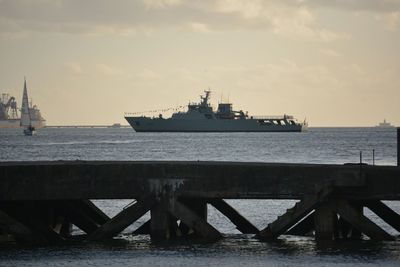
x=84, y=215
x=59, y=180
x=360, y=222
x=242, y=224
x=304, y=227
x=122, y=220
x=20, y=232
x=40, y=200
x=144, y=229
x=384, y=212
x=289, y=219
x=194, y=221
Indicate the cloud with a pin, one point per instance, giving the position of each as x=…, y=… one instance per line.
x=147, y=74
x=391, y=20
x=93, y=69
x=246, y=9
x=286, y=78
x=357, y=5
x=125, y=17
x=161, y=3
x=329, y=52
x=73, y=67
x=108, y=70
x=199, y=27
x=290, y=19
x=387, y=11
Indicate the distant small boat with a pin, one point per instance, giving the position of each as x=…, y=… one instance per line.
x=115, y=125
x=26, y=120
x=385, y=124
x=30, y=130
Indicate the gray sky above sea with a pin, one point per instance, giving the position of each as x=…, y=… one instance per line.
x=336, y=62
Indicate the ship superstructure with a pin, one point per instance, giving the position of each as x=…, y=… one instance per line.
x=10, y=113
x=385, y=124
x=37, y=119
x=200, y=117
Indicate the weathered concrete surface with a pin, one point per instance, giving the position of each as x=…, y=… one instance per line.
x=40, y=200
x=398, y=146
x=325, y=221
x=122, y=220
x=360, y=222
x=68, y=180
x=294, y=214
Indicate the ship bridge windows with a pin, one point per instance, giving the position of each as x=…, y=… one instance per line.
x=274, y=122
x=283, y=122
x=265, y=122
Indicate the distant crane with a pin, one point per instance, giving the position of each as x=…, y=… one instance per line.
x=8, y=107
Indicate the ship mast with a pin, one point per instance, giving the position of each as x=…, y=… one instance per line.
x=25, y=113
x=204, y=99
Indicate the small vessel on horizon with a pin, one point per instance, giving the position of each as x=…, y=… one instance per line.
x=385, y=124
x=26, y=120
x=200, y=117
x=115, y=125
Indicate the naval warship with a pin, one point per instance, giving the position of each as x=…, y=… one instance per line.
x=200, y=117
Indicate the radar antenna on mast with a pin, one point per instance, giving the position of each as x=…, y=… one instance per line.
x=204, y=99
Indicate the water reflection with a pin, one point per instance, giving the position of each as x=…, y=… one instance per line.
x=233, y=249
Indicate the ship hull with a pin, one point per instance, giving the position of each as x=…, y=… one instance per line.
x=9, y=124
x=145, y=124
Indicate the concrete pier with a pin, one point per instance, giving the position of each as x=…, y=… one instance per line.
x=40, y=201
x=398, y=146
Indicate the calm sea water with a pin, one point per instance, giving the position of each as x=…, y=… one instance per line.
x=319, y=145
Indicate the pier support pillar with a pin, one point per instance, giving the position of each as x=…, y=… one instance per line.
x=164, y=216
x=66, y=228
x=398, y=146
x=344, y=228
x=82, y=216
x=325, y=220
x=352, y=215
x=19, y=231
x=292, y=216
x=304, y=227
x=192, y=220
x=144, y=229
x=347, y=230
x=161, y=221
x=39, y=217
x=123, y=219
x=196, y=205
x=356, y=234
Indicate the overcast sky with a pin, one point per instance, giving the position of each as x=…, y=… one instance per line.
x=334, y=62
